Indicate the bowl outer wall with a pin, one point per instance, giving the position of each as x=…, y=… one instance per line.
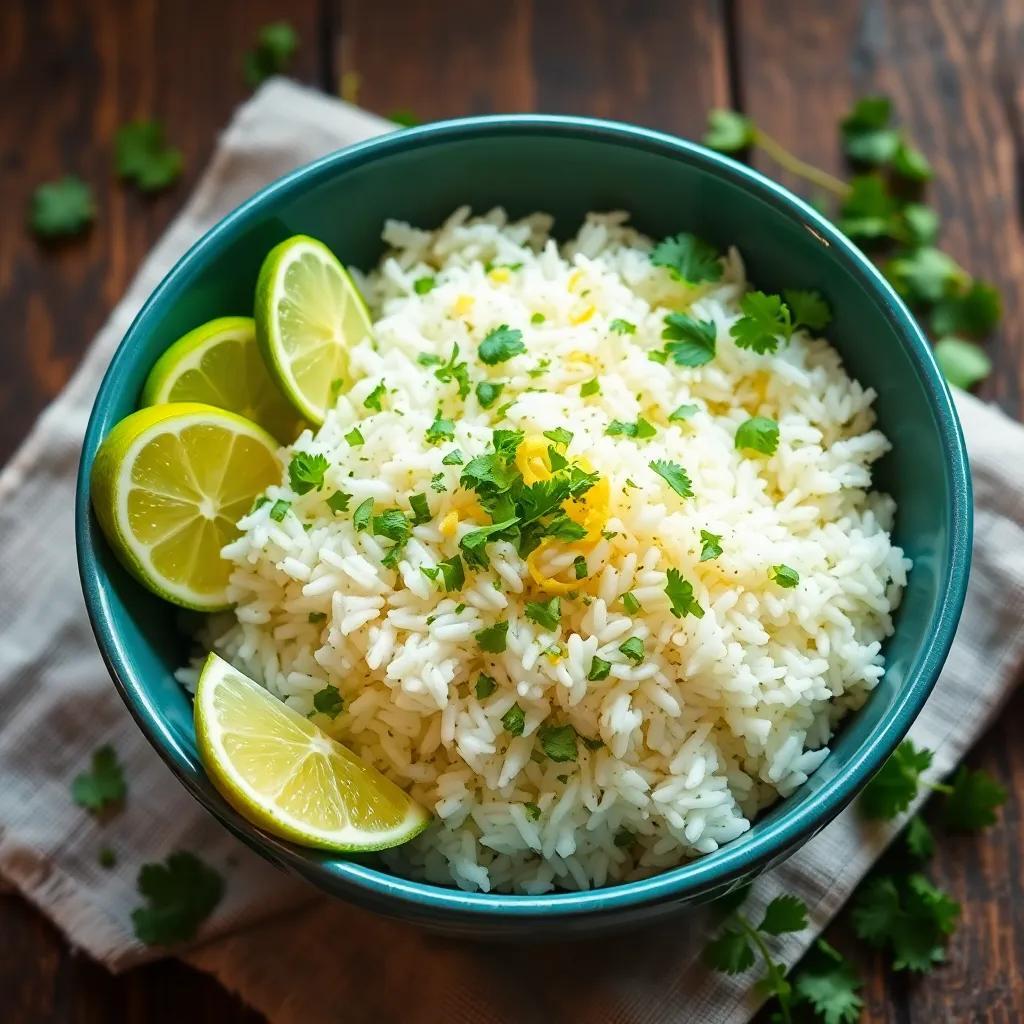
x=521, y=153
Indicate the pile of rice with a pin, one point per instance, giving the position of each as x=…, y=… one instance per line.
x=725, y=712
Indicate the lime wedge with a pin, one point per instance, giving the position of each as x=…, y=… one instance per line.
x=168, y=485
x=220, y=364
x=308, y=313
x=290, y=778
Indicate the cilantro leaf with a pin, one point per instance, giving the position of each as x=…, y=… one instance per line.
x=590, y=387
x=404, y=117
x=633, y=648
x=579, y=565
x=711, y=546
x=784, y=576
x=142, y=155
x=910, y=163
x=103, y=786
x=766, y=318
x=485, y=686
x=547, y=614
x=618, y=326
x=674, y=475
x=279, y=510
x=683, y=412
x=558, y=742
x=867, y=137
x=876, y=906
x=306, y=471
x=829, y=985
x=180, y=894
x=559, y=436
x=919, y=839
x=374, y=398
x=962, y=363
x=784, y=914
x=599, y=669
x=688, y=258
x=690, y=342
x=680, y=593
x=453, y=458
x=355, y=438
x=916, y=224
x=758, y=434
x=868, y=209
x=450, y=571
x=493, y=639
x=924, y=275
x=473, y=543
x=338, y=502
x=440, y=430
x=62, y=208
x=501, y=344
x=437, y=483
x=641, y=430
x=514, y=720
x=394, y=524
x=328, y=701
x=424, y=285
x=453, y=370
x=974, y=312
x=361, y=516
x=487, y=393
x=972, y=804
x=730, y=952
x=729, y=131
x=275, y=46
x=808, y=308
x=630, y=603
x=895, y=785
x=532, y=811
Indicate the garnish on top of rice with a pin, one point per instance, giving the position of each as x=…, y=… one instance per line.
x=587, y=547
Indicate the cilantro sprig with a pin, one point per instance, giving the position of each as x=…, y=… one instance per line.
x=179, y=895
x=102, y=787
x=143, y=156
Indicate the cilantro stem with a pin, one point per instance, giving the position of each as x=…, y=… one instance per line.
x=938, y=787
x=777, y=979
x=785, y=159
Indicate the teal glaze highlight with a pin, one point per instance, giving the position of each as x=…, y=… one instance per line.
x=565, y=165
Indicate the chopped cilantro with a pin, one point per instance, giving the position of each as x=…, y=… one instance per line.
x=501, y=344
x=559, y=436
x=758, y=434
x=316, y=618
x=729, y=131
x=640, y=430
x=514, y=720
x=766, y=318
x=452, y=574
x=624, y=839
x=355, y=438
x=919, y=839
x=630, y=602
x=338, y=502
x=437, y=483
x=680, y=593
x=487, y=393
x=622, y=327
x=537, y=318
x=924, y=275
x=328, y=701
x=599, y=669
x=394, y=524
x=867, y=135
x=532, y=811
x=827, y=984
x=633, y=648
x=62, y=208
x=143, y=156
x=690, y=342
x=474, y=543
x=453, y=458
x=180, y=894
x=361, y=516
x=683, y=412
x=711, y=546
x=420, y=509
x=972, y=312
x=440, y=430
x=429, y=359
x=275, y=46
x=258, y=503
x=868, y=210
x=688, y=258
x=590, y=387
x=103, y=786
x=558, y=742
x=784, y=914
x=972, y=804
x=453, y=370
x=592, y=744
x=784, y=576
x=373, y=399
x=493, y=639
x=422, y=285
x=962, y=363
x=674, y=475
x=336, y=386
x=546, y=614
x=485, y=686
x=306, y=471
x=579, y=565
x=279, y=510
x=565, y=529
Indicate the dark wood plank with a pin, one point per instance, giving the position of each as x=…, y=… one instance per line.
x=953, y=70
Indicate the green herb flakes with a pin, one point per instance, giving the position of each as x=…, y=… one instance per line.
x=306, y=471
x=450, y=572
x=809, y=309
x=453, y=458
x=375, y=397
x=500, y=345
x=279, y=510
x=103, y=786
x=453, y=370
x=493, y=639
x=423, y=285
x=711, y=546
x=683, y=412
x=688, y=258
x=338, y=502
x=143, y=156
x=641, y=430
x=514, y=720
x=537, y=318
x=590, y=387
x=328, y=701
x=618, y=326
x=355, y=438
x=558, y=742
x=362, y=514
x=758, y=434
x=630, y=603
x=579, y=565
x=437, y=483
x=599, y=669
x=487, y=393
x=784, y=576
x=420, y=509
x=60, y=209
x=765, y=319
x=440, y=430
x=532, y=811
x=633, y=648
x=485, y=686
x=547, y=615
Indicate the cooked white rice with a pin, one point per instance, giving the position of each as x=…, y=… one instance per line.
x=725, y=713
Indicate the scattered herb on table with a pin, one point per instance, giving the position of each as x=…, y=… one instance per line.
x=275, y=47
x=61, y=209
x=143, y=155
x=103, y=786
x=180, y=894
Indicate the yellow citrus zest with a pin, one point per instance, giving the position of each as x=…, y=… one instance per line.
x=463, y=304
x=449, y=524
x=574, y=279
x=582, y=316
x=578, y=356
x=499, y=275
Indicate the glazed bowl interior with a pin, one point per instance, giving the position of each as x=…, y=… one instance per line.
x=566, y=166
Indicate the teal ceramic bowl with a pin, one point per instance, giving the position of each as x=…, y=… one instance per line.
x=566, y=166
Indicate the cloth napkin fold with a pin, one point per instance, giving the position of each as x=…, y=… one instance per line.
x=291, y=953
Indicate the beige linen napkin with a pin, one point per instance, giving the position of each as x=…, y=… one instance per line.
x=298, y=957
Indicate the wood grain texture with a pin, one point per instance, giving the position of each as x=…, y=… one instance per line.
x=73, y=71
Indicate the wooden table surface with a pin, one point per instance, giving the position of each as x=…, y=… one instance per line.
x=72, y=72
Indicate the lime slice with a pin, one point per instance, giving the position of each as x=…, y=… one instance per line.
x=168, y=485
x=282, y=773
x=308, y=313
x=219, y=363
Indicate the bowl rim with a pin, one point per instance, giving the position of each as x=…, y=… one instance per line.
x=712, y=872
